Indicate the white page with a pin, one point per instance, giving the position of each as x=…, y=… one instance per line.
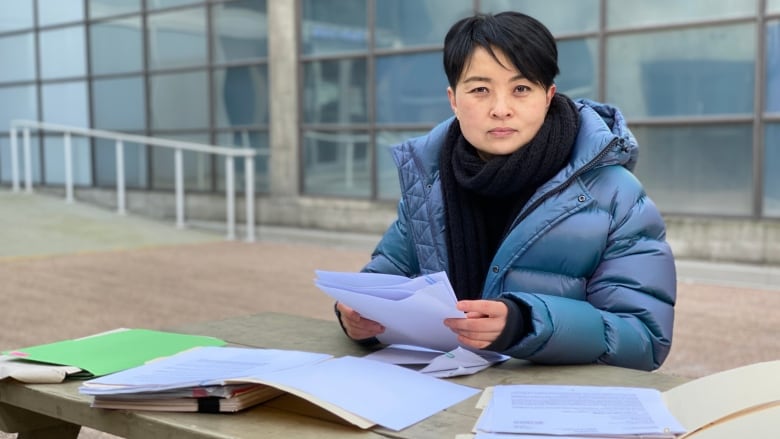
x=414, y=320
x=578, y=411
x=456, y=362
x=389, y=395
x=199, y=367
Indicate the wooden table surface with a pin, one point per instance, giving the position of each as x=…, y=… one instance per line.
x=45, y=411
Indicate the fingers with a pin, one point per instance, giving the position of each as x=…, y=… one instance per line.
x=484, y=320
x=356, y=326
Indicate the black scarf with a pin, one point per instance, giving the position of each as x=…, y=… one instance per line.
x=482, y=199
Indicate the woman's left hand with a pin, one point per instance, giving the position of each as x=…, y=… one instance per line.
x=484, y=320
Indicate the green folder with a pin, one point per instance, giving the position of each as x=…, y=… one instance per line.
x=112, y=351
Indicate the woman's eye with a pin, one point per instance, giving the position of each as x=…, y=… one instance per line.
x=479, y=90
x=522, y=88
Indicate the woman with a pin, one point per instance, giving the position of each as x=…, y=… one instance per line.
x=526, y=199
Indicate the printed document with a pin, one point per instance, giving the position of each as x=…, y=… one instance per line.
x=577, y=411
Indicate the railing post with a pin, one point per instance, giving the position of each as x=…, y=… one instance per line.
x=179, y=188
x=14, y=159
x=68, y=168
x=120, y=178
x=27, y=160
x=249, y=193
x=230, y=198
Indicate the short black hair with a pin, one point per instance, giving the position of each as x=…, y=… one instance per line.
x=525, y=41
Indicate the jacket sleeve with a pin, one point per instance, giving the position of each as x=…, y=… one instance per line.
x=627, y=316
x=394, y=254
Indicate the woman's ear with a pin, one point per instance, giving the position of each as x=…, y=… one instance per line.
x=550, y=94
x=453, y=104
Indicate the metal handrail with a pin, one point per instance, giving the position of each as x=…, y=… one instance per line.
x=178, y=146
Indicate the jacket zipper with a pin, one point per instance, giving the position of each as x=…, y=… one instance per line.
x=587, y=167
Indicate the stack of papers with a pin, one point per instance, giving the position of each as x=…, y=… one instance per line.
x=360, y=391
x=541, y=411
x=209, y=399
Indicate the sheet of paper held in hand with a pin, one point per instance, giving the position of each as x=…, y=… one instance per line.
x=576, y=412
x=411, y=310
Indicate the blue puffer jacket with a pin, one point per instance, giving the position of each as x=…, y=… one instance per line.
x=587, y=254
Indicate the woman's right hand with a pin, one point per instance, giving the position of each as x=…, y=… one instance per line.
x=356, y=326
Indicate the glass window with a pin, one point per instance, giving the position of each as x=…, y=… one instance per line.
x=772, y=170
x=333, y=26
x=241, y=95
x=240, y=31
x=683, y=72
x=66, y=103
x=17, y=103
x=336, y=164
x=773, y=66
x=623, y=13
x=59, y=11
x=16, y=14
x=154, y=4
x=335, y=91
x=135, y=161
x=245, y=139
x=20, y=49
x=106, y=8
x=129, y=116
x=403, y=23
x=196, y=165
x=62, y=53
x=772, y=6
x=177, y=38
x=116, y=46
x=179, y=101
x=567, y=16
x=411, y=88
x=679, y=181
x=54, y=160
x=387, y=173
x=578, y=62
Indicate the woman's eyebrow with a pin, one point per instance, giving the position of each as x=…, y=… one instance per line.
x=517, y=77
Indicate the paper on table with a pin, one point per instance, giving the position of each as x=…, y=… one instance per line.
x=34, y=373
x=411, y=310
x=578, y=411
x=113, y=351
x=360, y=391
x=388, y=395
x=439, y=364
x=205, y=366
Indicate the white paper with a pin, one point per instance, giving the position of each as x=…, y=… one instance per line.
x=34, y=373
x=440, y=364
x=389, y=395
x=202, y=366
x=578, y=411
x=384, y=394
x=411, y=310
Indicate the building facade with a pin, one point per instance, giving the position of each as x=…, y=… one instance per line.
x=322, y=88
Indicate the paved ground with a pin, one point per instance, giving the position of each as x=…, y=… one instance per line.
x=68, y=270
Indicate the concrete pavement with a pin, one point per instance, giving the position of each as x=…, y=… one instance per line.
x=68, y=270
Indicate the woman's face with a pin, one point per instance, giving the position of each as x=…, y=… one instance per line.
x=499, y=110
